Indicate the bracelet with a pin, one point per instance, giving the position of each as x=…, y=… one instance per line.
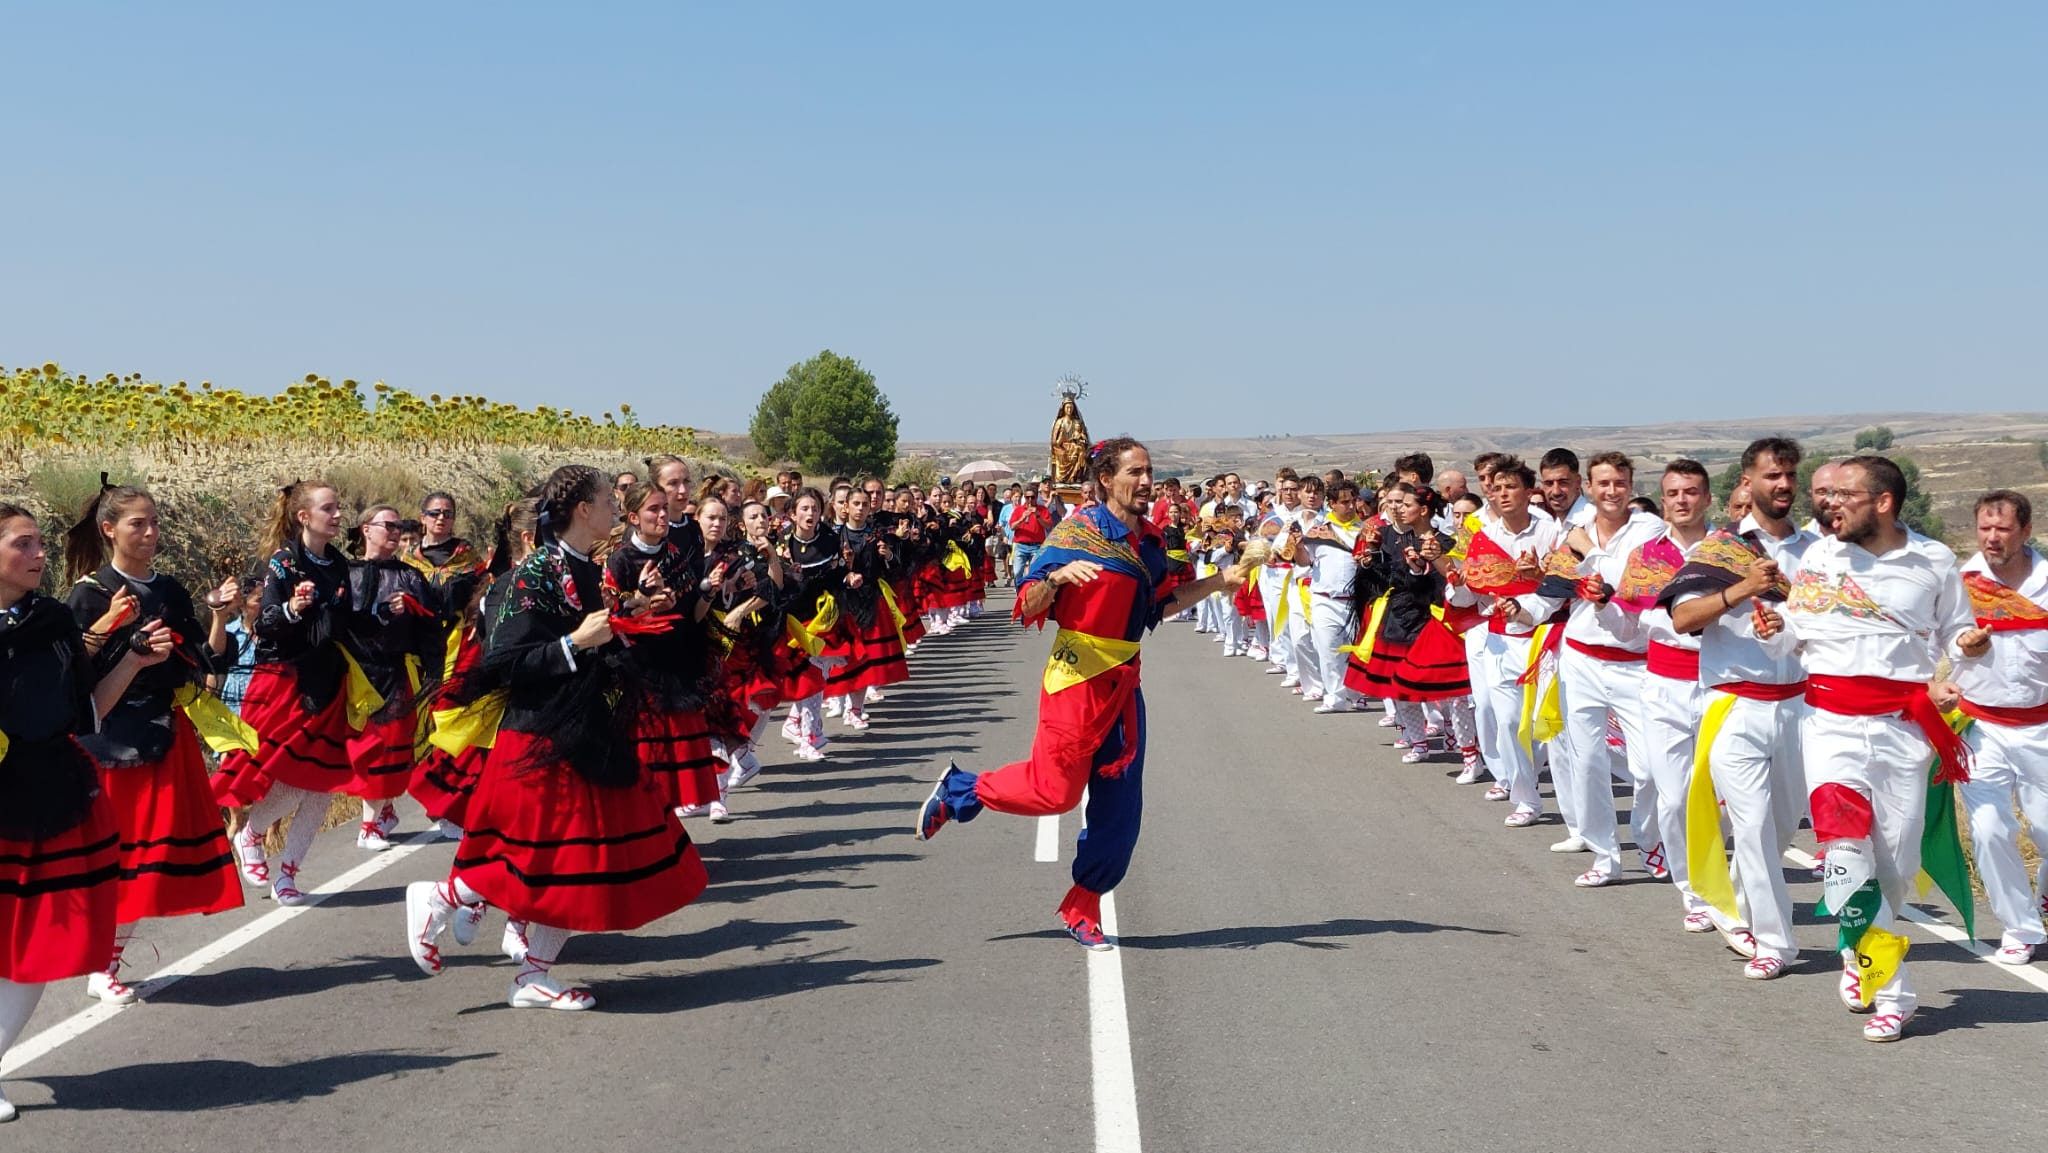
x=1724, y=600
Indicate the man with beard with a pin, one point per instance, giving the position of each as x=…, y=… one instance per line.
x=1750, y=723
x=1870, y=612
x=1095, y=578
x=1821, y=495
x=2006, y=697
x=1563, y=492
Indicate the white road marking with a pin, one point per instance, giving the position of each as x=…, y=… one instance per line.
x=79, y=1024
x=1048, y=838
x=1109, y=1037
x=1947, y=932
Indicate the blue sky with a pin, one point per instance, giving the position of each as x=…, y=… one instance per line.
x=1233, y=219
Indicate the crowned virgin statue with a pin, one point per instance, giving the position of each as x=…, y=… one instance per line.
x=1069, y=444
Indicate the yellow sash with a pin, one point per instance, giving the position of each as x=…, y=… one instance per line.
x=1706, y=858
x=1362, y=647
x=454, y=648
x=363, y=698
x=1078, y=657
x=956, y=558
x=3, y=746
x=216, y=724
x=1542, y=719
x=470, y=726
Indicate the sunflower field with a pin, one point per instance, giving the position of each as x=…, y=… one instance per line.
x=44, y=406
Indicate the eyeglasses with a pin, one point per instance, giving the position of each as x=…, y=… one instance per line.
x=437, y=513
x=386, y=525
x=1844, y=493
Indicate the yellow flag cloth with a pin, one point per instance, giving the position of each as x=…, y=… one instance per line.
x=1542, y=706
x=1362, y=648
x=216, y=724
x=3, y=746
x=1878, y=957
x=801, y=637
x=1078, y=657
x=1705, y=857
x=448, y=659
x=363, y=698
x=956, y=558
x=470, y=726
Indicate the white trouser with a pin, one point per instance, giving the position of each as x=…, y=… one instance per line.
x=1235, y=634
x=1671, y=719
x=2011, y=761
x=1496, y=676
x=1480, y=703
x=1758, y=774
x=1308, y=658
x=1333, y=623
x=1272, y=586
x=1885, y=759
x=1593, y=688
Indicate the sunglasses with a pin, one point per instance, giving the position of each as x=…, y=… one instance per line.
x=438, y=512
x=386, y=525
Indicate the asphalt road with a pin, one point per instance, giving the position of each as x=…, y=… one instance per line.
x=1322, y=949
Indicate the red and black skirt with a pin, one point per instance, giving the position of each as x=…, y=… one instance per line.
x=58, y=898
x=1432, y=667
x=746, y=693
x=442, y=783
x=871, y=655
x=546, y=845
x=381, y=757
x=305, y=750
x=799, y=675
x=175, y=857
x=913, y=612
x=1248, y=601
x=674, y=747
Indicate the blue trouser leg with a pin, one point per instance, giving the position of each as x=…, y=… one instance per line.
x=1103, y=852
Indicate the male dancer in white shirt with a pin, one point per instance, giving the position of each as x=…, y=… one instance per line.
x=1871, y=611
x=1276, y=579
x=2006, y=695
x=1756, y=691
x=1600, y=671
x=1333, y=617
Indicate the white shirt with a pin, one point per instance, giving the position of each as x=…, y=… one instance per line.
x=2015, y=674
x=1729, y=648
x=1332, y=568
x=1855, y=614
x=1610, y=624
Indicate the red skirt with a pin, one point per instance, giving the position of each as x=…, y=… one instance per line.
x=58, y=898
x=381, y=756
x=1432, y=667
x=798, y=674
x=946, y=589
x=442, y=784
x=873, y=656
x=913, y=612
x=746, y=693
x=546, y=845
x=302, y=750
x=675, y=748
x=1248, y=601
x=175, y=856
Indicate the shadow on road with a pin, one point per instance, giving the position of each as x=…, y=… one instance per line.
x=251, y=984
x=190, y=1086
x=1252, y=936
x=619, y=949
x=667, y=993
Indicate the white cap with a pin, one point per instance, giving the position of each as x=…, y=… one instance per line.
x=775, y=490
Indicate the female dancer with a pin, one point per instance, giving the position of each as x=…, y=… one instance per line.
x=748, y=600
x=394, y=632
x=567, y=831
x=297, y=700
x=870, y=642
x=811, y=554
x=175, y=858
x=645, y=574
x=60, y=843
x=1413, y=657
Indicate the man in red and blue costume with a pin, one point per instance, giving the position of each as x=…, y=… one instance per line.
x=1098, y=578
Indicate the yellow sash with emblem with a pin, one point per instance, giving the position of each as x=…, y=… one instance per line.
x=1078, y=657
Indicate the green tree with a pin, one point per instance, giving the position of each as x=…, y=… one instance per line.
x=770, y=426
x=1919, y=511
x=827, y=414
x=1874, y=439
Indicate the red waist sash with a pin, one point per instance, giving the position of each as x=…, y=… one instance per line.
x=1674, y=662
x=1609, y=653
x=1762, y=691
x=1881, y=697
x=2009, y=716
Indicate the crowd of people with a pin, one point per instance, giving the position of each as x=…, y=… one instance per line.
x=562, y=698
x=559, y=699
x=1745, y=675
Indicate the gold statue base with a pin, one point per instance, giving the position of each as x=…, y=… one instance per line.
x=1068, y=493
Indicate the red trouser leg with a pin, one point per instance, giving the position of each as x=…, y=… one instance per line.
x=1072, y=724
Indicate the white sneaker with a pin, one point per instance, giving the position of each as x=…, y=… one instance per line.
x=1497, y=792
x=1414, y=756
x=370, y=836
x=1699, y=921
x=1331, y=707
x=427, y=913
x=1763, y=968
x=1256, y=653
x=387, y=820
x=856, y=720
x=745, y=769
x=1311, y=695
x=809, y=752
x=874, y=695
x=685, y=812
x=1276, y=671
x=1741, y=942
x=1471, y=774
x=791, y=731
x=538, y=991
x=1521, y=818
x=6, y=1109
x=464, y=923
x=1388, y=722
x=1571, y=844
x=719, y=815
x=1229, y=650
x=1592, y=879
x=2014, y=955
x=249, y=855
x=833, y=707
x=285, y=891
x=513, y=943
x=1288, y=680
x=104, y=986
x=1886, y=1026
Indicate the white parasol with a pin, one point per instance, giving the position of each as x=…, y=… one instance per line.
x=979, y=471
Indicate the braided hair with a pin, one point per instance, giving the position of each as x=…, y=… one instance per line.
x=565, y=488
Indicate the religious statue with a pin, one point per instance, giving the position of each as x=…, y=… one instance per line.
x=1069, y=444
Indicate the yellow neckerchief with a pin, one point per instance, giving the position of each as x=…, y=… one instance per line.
x=215, y=723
